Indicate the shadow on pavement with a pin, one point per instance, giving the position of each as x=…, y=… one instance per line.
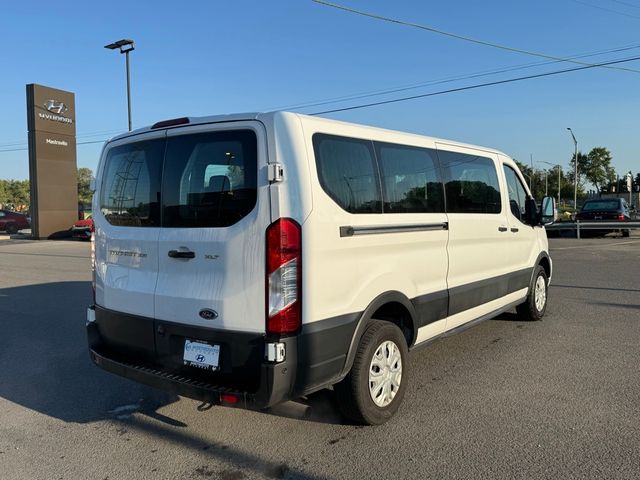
x=44, y=361
x=238, y=459
x=45, y=365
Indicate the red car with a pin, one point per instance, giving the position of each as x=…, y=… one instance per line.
x=82, y=229
x=11, y=222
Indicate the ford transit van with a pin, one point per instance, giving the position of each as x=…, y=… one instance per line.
x=251, y=259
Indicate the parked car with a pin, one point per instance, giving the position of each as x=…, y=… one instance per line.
x=82, y=229
x=11, y=222
x=605, y=210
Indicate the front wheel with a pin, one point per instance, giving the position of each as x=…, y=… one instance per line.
x=372, y=391
x=11, y=228
x=535, y=305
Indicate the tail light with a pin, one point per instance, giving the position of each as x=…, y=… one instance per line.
x=620, y=217
x=93, y=266
x=284, y=277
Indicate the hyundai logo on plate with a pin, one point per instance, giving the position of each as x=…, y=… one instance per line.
x=55, y=107
x=208, y=314
x=200, y=358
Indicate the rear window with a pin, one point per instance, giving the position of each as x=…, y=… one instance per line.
x=601, y=205
x=471, y=183
x=130, y=193
x=198, y=180
x=209, y=179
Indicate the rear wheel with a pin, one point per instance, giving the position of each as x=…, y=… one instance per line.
x=626, y=233
x=11, y=228
x=372, y=391
x=536, y=303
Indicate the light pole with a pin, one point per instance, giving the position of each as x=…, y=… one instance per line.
x=531, y=177
x=575, y=186
x=125, y=47
x=559, y=172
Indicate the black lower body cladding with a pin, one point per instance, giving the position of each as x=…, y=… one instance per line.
x=151, y=352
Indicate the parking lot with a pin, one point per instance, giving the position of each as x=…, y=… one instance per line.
x=505, y=399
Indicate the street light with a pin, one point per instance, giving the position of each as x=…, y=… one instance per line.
x=125, y=47
x=559, y=171
x=575, y=187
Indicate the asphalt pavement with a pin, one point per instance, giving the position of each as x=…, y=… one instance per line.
x=503, y=400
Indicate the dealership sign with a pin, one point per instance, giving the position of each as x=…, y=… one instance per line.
x=52, y=159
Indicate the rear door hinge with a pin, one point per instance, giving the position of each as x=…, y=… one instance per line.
x=275, y=172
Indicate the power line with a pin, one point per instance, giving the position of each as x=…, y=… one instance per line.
x=386, y=91
x=617, y=12
x=626, y=3
x=82, y=135
x=459, y=37
x=79, y=143
x=480, y=85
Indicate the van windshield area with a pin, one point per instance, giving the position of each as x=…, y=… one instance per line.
x=194, y=180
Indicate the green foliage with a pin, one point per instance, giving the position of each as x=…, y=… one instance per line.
x=84, y=180
x=14, y=194
x=598, y=169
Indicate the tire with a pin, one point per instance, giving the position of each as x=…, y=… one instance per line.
x=626, y=233
x=11, y=228
x=535, y=306
x=353, y=394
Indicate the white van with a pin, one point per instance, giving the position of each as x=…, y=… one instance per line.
x=250, y=259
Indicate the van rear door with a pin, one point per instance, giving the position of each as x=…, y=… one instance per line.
x=127, y=224
x=215, y=211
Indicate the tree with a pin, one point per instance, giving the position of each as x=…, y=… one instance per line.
x=598, y=169
x=14, y=193
x=84, y=180
x=583, y=161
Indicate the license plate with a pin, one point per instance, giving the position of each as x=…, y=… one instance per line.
x=201, y=355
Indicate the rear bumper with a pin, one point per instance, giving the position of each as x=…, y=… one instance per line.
x=150, y=352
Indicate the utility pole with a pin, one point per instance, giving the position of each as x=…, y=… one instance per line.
x=531, y=177
x=575, y=186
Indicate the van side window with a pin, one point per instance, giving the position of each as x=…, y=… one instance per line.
x=130, y=191
x=517, y=193
x=209, y=179
x=347, y=171
x=471, y=183
x=410, y=178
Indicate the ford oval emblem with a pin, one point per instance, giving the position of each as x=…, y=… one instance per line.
x=208, y=314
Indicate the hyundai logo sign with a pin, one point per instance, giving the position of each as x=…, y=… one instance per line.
x=55, y=107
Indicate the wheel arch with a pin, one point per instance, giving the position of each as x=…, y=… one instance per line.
x=544, y=260
x=392, y=306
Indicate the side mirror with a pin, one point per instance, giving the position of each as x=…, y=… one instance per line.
x=531, y=212
x=548, y=210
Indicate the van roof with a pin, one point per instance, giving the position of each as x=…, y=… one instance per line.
x=236, y=117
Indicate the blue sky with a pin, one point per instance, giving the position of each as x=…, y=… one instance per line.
x=210, y=57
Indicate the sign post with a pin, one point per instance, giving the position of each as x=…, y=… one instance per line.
x=52, y=160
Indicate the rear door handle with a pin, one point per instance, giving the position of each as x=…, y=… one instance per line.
x=181, y=254
x=502, y=229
